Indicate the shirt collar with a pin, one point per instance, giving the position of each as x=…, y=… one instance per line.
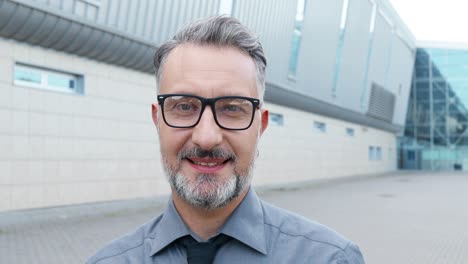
x=170, y=228
x=246, y=223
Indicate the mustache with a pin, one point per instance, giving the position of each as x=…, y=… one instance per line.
x=215, y=153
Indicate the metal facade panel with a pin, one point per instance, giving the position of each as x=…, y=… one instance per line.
x=48, y=23
x=66, y=6
x=273, y=22
x=157, y=24
x=164, y=18
x=154, y=21
x=318, y=48
x=135, y=16
x=68, y=37
x=170, y=17
x=110, y=16
x=288, y=98
x=380, y=56
x=115, y=43
x=79, y=9
x=34, y=21
x=399, y=81
x=140, y=25
x=148, y=20
x=381, y=103
x=278, y=38
x=80, y=40
x=279, y=41
x=52, y=30
x=353, y=61
x=122, y=16
x=56, y=35
x=94, y=44
x=56, y=3
x=15, y=19
x=92, y=13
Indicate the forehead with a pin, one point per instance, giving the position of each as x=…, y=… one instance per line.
x=195, y=68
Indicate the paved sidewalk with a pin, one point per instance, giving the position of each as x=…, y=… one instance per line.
x=414, y=218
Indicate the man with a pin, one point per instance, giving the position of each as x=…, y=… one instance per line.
x=209, y=118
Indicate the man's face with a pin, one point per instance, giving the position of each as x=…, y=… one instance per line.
x=208, y=166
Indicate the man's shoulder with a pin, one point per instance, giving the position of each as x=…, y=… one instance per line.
x=309, y=235
x=295, y=225
x=128, y=247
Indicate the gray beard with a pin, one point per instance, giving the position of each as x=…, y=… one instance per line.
x=214, y=193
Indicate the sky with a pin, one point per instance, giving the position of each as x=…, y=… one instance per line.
x=435, y=20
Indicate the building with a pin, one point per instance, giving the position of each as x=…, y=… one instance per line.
x=76, y=86
x=436, y=135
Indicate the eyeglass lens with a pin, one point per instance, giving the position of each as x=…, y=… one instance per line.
x=185, y=111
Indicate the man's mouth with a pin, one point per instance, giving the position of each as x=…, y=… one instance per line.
x=207, y=165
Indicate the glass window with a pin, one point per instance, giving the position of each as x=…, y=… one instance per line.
x=339, y=49
x=350, y=132
x=38, y=77
x=378, y=153
x=422, y=95
x=422, y=85
x=438, y=94
x=436, y=73
x=344, y=14
x=370, y=42
x=296, y=41
x=27, y=75
x=422, y=72
x=61, y=81
x=371, y=153
x=373, y=16
x=320, y=127
x=276, y=119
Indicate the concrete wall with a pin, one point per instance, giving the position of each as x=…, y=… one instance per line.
x=298, y=152
x=60, y=149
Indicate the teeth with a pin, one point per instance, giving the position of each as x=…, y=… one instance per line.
x=209, y=164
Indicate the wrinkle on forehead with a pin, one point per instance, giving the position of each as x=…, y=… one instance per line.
x=193, y=62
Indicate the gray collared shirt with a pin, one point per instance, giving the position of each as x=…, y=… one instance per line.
x=262, y=233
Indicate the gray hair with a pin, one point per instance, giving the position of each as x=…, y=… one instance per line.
x=219, y=31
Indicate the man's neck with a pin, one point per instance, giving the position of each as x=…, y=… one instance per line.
x=205, y=223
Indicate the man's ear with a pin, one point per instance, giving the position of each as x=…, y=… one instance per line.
x=154, y=114
x=264, y=116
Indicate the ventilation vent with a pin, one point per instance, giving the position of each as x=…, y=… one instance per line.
x=381, y=103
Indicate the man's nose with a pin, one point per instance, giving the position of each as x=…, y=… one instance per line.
x=207, y=134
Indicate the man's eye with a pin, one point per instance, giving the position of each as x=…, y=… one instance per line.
x=232, y=108
x=185, y=107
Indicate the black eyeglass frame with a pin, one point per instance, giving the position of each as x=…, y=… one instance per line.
x=211, y=102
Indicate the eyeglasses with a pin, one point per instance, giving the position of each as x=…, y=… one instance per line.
x=229, y=112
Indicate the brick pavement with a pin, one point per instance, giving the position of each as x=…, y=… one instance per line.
x=414, y=218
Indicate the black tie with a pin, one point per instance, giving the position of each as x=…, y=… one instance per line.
x=202, y=252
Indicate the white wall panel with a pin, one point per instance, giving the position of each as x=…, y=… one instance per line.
x=399, y=79
x=380, y=56
x=275, y=29
x=353, y=61
x=318, y=48
x=318, y=155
